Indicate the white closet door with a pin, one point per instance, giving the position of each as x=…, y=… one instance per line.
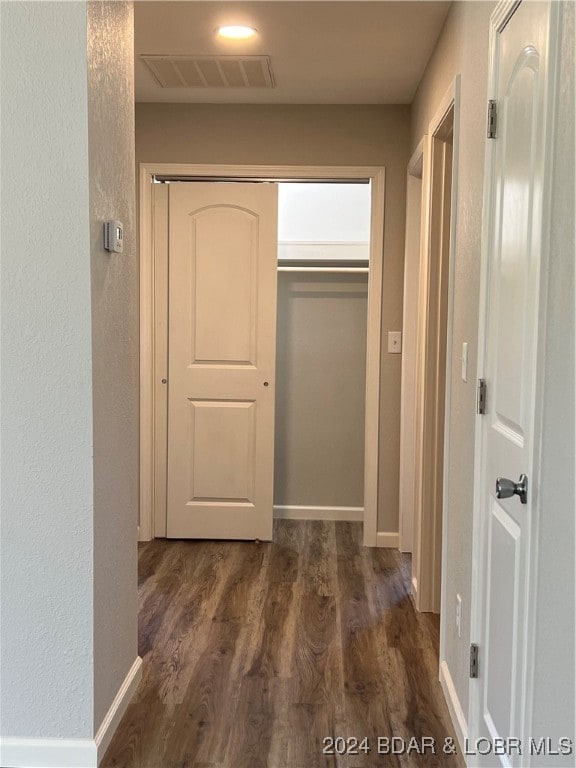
x=222, y=329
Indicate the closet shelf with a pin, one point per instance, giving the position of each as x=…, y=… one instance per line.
x=326, y=267
x=326, y=270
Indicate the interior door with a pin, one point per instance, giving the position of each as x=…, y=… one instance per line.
x=509, y=440
x=221, y=359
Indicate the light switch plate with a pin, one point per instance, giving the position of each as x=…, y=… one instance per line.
x=394, y=341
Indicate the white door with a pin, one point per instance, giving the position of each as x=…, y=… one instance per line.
x=221, y=359
x=516, y=258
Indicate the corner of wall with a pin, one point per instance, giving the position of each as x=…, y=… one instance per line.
x=115, y=374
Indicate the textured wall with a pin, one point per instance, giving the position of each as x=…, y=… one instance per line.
x=307, y=135
x=46, y=375
x=115, y=347
x=461, y=49
x=69, y=367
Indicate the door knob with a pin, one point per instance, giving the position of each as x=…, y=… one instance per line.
x=506, y=488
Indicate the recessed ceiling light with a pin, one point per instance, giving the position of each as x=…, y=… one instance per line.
x=236, y=32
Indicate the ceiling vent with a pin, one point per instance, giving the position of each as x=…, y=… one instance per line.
x=211, y=71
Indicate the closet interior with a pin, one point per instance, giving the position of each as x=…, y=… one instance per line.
x=323, y=266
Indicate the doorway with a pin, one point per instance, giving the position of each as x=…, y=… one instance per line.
x=428, y=335
x=153, y=327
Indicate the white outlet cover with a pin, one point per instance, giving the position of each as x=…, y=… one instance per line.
x=394, y=342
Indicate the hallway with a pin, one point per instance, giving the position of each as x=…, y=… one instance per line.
x=255, y=653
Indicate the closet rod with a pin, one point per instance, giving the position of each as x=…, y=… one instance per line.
x=326, y=270
x=160, y=179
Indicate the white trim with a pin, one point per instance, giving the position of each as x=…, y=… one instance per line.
x=454, y=706
x=118, y=708
x=373, y=366
x=445, y=619
x=414, y=588
x=147, y=457
x=426, y=545
x=297, y=512
x=147, y=454
x=327, y=270
x=407, y=390
x=416, y=162
x=159, y=236
x=72, y=753
x=48, y=753
x=387, y=539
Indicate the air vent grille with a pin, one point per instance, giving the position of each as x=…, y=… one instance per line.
x=211, y=71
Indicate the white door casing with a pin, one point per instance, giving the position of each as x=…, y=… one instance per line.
x=409, y=359
x=222, y=329
x=510, y=359
x=153, y=305
x=434, y=342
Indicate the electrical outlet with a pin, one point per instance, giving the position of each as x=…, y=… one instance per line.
x=459, y=615
x=394, y=341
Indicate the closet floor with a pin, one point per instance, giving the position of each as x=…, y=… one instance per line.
x=257, y=655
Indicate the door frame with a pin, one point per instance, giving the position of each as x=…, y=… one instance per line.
x=153, y=394
x=414, y=170
x=429, y=550
x=498, y=20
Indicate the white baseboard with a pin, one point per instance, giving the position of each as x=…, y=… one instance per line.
x=346, y=514
x=118, y=708
x=48, y=753
x=72, y=753
x=454, y=706
x=388, y=539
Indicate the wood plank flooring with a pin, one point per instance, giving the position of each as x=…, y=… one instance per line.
x=255, y=653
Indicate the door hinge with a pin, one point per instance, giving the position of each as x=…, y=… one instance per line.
x=492, y=117
x=481, y=396
x=473, y=660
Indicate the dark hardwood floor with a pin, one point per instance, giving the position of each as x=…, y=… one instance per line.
x=255, y=653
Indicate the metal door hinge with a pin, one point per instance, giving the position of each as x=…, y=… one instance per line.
x=473, y=660
x=492, y=117
x=481, y=396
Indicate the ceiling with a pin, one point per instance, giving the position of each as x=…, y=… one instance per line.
x=320, y=52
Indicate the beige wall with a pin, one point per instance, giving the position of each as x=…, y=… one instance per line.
x=320, y=390
x=462, y=49
x=46, y=359
x=307, y=135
